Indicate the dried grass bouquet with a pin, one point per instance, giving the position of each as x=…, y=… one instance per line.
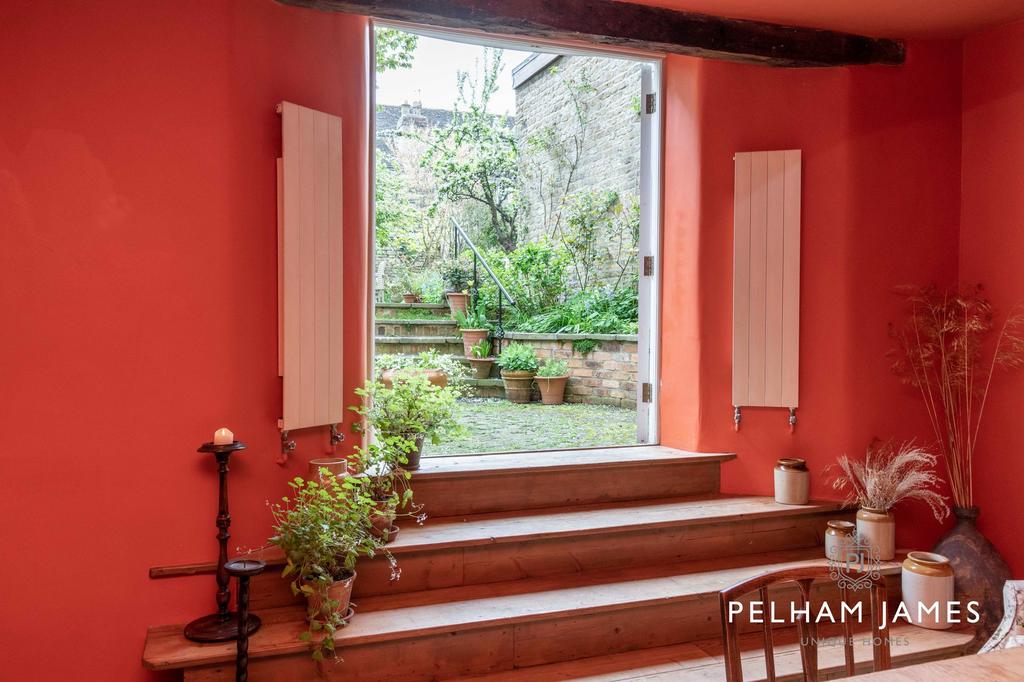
x=888, y=475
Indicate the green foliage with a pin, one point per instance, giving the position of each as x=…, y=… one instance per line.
x=481, y=349
x=518, y=357
x=322, y=529
x=534, y=274
x=396, y=218
x=553, y=368
x=475, y=158
x=427, y=284
x=585, y=346
x=473, y=318
x=589, y=312
x=401, y=314
x=394, y=49
x=412, y=408
x=428, y=359
x=457, y=275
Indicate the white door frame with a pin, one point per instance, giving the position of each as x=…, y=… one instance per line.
x=649, y=246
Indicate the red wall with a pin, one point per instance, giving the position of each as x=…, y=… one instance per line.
x=992, y=252
x=138, y=292
x=881, y=190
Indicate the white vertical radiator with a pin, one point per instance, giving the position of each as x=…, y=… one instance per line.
x=766, y=282
x=310, y=239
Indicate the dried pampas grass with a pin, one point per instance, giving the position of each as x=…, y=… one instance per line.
x=890, y=474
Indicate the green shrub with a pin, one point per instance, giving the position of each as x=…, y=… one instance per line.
x=428, y=359
x=534, y=274
x=411, y=408
x=473, y=318
x=518, y=357
x=588, y=312
x=457, y=275
x=553, y=368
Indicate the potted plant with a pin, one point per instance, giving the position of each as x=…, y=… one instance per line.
x=323, y=528
x=412, y=286
x=457, y=280
x=407, y=413
x=480, y=358
x=439, y=369
x=473, y=326
x=551, y=378
x=518, y=364
x=888, y=475
x=382, y=479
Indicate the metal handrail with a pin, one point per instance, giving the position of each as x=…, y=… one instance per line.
x=458, y=234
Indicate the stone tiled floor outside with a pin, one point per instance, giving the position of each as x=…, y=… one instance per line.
x=496, y=425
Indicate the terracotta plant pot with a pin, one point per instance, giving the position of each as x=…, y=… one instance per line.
x=414, y=456
x=410, y=298
x=471, y=337
x=482, y=367
x=978, y=569
x=877, y=527
x=337, y=465
x=457, y=302
x=435, y=376
x=383, y=521
x=339, y=591
x=552, y=389
x=518, y=386
x=927, y=581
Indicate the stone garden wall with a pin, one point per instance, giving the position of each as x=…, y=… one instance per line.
x=605, y=376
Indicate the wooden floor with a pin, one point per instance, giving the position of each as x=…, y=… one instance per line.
x=576, y=564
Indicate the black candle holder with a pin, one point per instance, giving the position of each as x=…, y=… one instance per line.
x=221, y=626
x=243, y=569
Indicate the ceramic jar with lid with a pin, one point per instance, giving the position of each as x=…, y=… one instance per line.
x=792, y=481
x=839, y=539
x=877, y=528
x=928, y=590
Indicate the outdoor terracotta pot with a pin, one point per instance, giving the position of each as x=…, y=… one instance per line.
x=457, y=302
x=435, y=376
x=482, y=367
x=552, y=389
x=340, y=591
x=414, y=456
x=471, y=337
x=410, y=298
x=337, y=465
x=518, y=386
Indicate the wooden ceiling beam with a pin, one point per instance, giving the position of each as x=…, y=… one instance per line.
x=641, y=27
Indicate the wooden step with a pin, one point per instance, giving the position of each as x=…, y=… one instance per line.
x=418, y=637
x=496, y=482
x=702, y=661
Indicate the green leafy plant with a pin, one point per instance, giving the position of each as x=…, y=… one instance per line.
x=428, y=359
x=457, y=276
x=518, y=357
x=553, y=368
x=394, y=49
x=473, y=318
x=597, y=311
x=323, y=528
x=411, y=409
x=585, y=346
x=481, y=349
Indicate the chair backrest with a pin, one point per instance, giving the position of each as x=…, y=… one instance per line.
x=804, y=577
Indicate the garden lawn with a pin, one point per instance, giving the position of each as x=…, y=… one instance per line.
x=496, y=425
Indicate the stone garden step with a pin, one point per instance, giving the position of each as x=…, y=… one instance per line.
x=431, y=328
x=410, y=344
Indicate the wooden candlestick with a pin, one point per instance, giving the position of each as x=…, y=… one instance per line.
x=221, y=626
x=243, y=569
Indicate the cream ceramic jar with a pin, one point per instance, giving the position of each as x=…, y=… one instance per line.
x=839, y=539
x=928, y=584
x=792, y=481
x=877, y=528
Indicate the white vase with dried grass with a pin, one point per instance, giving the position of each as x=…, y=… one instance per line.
x=888, y=475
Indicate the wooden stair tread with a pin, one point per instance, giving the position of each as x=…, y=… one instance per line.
x=500, y=463
x=703, y=660
x=167, y=648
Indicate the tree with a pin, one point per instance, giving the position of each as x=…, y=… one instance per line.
x=475, y=158
x=394, y=49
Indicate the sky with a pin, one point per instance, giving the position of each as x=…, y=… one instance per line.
x=432, y=78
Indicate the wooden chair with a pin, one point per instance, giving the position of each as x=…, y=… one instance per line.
x=804, y=577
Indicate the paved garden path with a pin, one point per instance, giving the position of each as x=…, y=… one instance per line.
x=494, y=425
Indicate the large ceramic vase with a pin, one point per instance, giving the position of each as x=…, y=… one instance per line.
x=978, y=569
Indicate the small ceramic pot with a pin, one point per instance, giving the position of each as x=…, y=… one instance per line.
x=792, y=481
x=877, y=528
x=518, y=386
x=471, y=337
x=552, y=389
x=839, y=539
x=928, y=584
x=337, y=466
x=339, y=591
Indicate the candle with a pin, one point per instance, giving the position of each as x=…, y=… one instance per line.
x=223, y=437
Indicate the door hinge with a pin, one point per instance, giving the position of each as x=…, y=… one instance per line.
x=645, y=392
x=648, y=266
x=651, y=102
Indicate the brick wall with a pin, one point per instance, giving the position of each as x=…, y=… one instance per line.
x=606, y=376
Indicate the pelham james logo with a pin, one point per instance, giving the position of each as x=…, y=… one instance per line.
x=857, y=567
